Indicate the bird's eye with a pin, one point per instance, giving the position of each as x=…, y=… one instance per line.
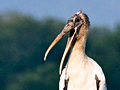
x=77, y=20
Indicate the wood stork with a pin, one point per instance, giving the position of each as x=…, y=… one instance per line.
x=81, y=71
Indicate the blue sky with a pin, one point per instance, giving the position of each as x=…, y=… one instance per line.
x=100, y=12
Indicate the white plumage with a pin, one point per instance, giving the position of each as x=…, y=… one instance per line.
x=81, y=72
x=83, y=76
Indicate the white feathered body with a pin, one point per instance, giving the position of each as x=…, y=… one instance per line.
x=81, y=72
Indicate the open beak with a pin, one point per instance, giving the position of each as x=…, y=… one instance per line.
x=66, y=29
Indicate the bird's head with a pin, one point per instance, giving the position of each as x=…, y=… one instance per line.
x=75, y=25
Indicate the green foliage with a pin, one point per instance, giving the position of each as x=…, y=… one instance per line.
x=41, y=78
x=24, y=40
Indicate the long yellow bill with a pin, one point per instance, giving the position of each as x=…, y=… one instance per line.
x=65, y=30
x=53, y=43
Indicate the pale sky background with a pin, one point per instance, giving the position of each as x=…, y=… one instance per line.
x=100, y=12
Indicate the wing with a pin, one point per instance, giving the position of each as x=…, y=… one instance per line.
x=63, y=83
x=100, y=80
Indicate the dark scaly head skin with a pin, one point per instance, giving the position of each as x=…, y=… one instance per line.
x=81, y=23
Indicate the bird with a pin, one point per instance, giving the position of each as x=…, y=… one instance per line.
x=81, y=72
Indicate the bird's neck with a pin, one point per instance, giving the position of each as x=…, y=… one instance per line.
x=79, y=45
x=77, y=54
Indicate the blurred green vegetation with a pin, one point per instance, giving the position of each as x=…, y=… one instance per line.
x=24, y=40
